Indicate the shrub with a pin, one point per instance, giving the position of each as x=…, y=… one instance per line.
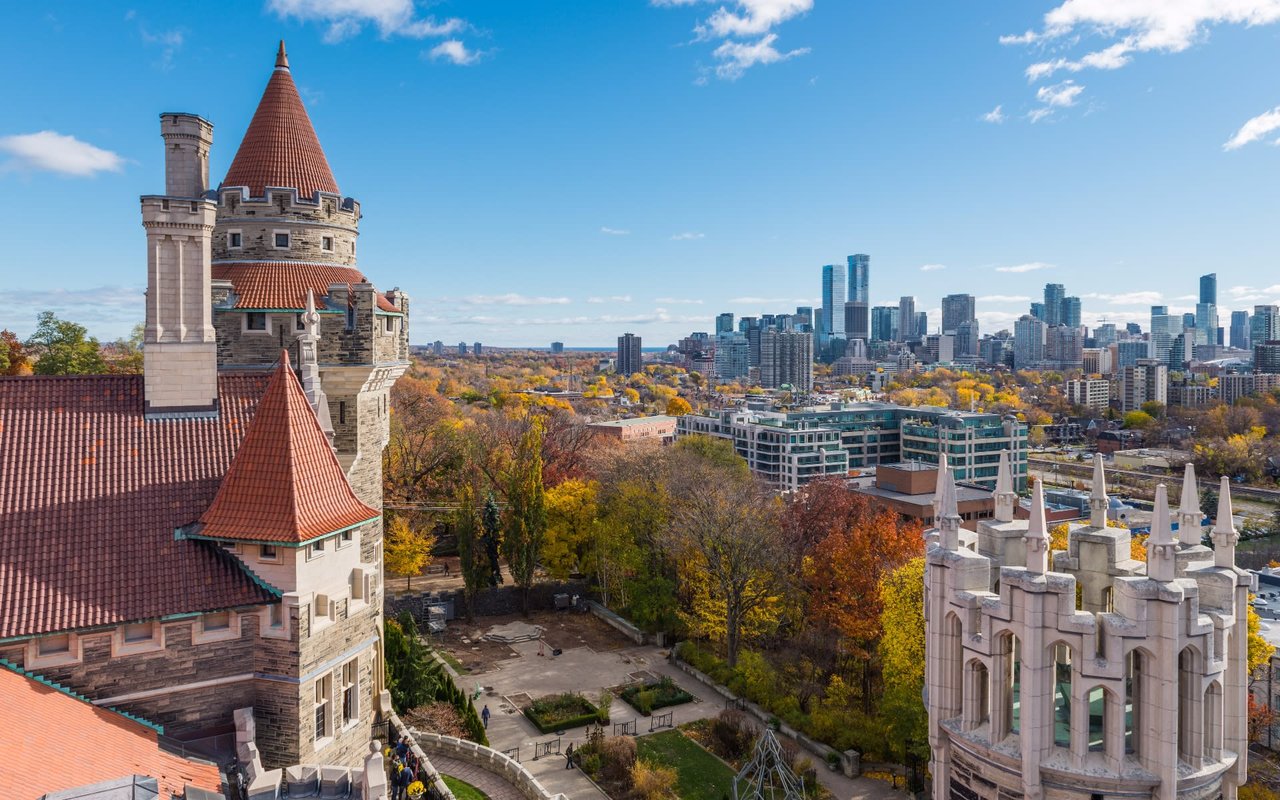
x=651, y=696
x=618, y=757
x=644, y=701
x=590, y=763
x=731, y=735
x=652, y=781
x=602, y=707
x=560, y=711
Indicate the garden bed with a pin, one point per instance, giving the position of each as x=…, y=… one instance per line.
x=559, y=712
x=649, y=697
x=700, y=775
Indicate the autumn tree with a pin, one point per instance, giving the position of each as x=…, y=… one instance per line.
x=473, y=562
x=13, y=356
x=723, y=527
x=571, y=520
x=525, y=519
x=405, y=550
x=902, y=651
x=678, y=407
x=124, y=356
x=64, y=348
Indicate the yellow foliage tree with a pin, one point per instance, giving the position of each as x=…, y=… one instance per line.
x=902, y=651
x=678, y=407
x=571, y=510
x=405, y=550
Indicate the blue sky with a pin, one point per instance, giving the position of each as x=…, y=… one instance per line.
x=532, y=171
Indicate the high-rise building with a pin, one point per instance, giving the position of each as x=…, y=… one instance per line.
x=922, y=324
x=1132, y=328
x=1096, y=360
x=786, y=359
x=477, y=349
x=882, y=327
x=732, y=358
x=1065, y=345
x=1164, y=327
x=967, y=338
x=1053, y=294
x=1104, y=335
x=629, y=361
x=907, y=319
x=437, y=348
x=1264, y=326
x=1037, y=311
x=1206, y=320
x=1239, y=337
x=1028, y=341
x=557, y=348
x=1143, y=382
x=957, y=309
x=462, y=348
x=860, y=278
x=804, y=316
x=1070, y=312
x=940, y=348
x=1209, y=289
x=1094, y=393
x=833, y=299
x=857, y=320
x=724, y=322
x=1182, y=349
x=1189, y=320
x=1266, y=357
x=1130, y=351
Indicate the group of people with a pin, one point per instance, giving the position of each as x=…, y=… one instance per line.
x=404, y=768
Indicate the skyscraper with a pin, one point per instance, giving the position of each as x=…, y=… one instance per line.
x=882, y=325
x=724, y=322
x=804, y=316
x=1070, y=312
x=1239, y=330
x=922, y=324
x=1163, y=328
x=857, y=320
x=1265, y=324
x=732, y=358
x=957, y=309
x=557, y=348
x=860, y=278
x=1028, y=341
x=629, y=361
x=907, y=319
x=833, y=299
x=1053, y=294
x=1209, y=288
x=786, y=359
x=967, y=338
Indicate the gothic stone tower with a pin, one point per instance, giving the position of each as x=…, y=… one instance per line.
x=1103, y=677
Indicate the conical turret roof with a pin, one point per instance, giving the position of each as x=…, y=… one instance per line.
x=285, y=484
x=280, y=148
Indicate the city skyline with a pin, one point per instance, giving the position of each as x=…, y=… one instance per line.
x=695, y=180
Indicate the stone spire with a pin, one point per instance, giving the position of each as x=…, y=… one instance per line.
x=1037, y=537
x=949, y=519
x=1161, y=549
x=1005, y=497
x=282, y=59
x=1189, y=514
x=1224, y=534
x=1098, y=500
x=938, y=488
x=309, y=365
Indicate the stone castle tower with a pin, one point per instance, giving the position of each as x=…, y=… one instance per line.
x=260, y=273
x=1102, y=677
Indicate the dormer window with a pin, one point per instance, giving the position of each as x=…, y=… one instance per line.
x=235, y=240
x=326, y=244
x=281, y=239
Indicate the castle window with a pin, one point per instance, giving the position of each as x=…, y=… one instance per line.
x=54, y=645
x=268, y=552
x=1097, y=718
x=359, y=591
x=1061, y=695
x=351, y=691
x=255, y=321
x=277, y=615
x=324, y=696
x=281, y=240
x=298, y=323
x=139, y=632
x=219, y=621
x=235, y=240
x=326, y=244
x=317, y=549
x=344, y=538
x=342, y=412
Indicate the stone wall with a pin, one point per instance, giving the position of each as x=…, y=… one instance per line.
x=306, y=221
x=499, y=601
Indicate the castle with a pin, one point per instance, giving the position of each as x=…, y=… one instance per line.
x=208, y=536
x=1103, y=677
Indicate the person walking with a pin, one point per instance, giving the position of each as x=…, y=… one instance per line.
x=568, y=757
x=484, y=716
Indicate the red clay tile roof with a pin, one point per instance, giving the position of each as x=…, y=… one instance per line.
x=90, y=495
x=107, y=745
x=280, y=147
x=285, y=484
x=284, y=284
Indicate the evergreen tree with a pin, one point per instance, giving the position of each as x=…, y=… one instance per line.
x=526, y=519
x=492, y=523
x=473, y=561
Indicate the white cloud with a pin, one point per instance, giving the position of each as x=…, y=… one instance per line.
x=513, y=299
x=1126, y=298
x=737, y=57
x=678, y=301
x=1060, y=95
x=614, y=231
x=346, y=18
x=1037, y=114
x=1254, y=129
x=55, y=152
x=169, y=42
x=1113, y=57
x=745, y=30
x=995, y=115
x=455, y=52
x=109, y=312
x=687, y=236
x=617, y=298
x=1029, y=267
x=932, y=267
x=1004, y=298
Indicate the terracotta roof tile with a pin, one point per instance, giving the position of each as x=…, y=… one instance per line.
x=285, y=484
x=280, y=148
x=108, y=745
x=284, y=284
x=90, y=496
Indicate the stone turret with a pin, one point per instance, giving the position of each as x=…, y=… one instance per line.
x=1098, y=500
x=1005, y=497
x=1189, y=514
x=1037, y=537
x=1224, y=533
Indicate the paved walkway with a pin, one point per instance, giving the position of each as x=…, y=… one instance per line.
x=487, y=782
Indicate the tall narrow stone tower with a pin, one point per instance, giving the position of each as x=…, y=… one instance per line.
x=180, y=361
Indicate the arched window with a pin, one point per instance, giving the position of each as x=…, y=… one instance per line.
x=1007, y=688
x=1097, y=718
x=1213, y=722
x=1190, y=723
x=951, y=697
x=1135, y=666
x=977, y=695
x=1061, y=694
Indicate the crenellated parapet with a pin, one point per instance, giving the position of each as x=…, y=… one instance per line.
x=1102, y=676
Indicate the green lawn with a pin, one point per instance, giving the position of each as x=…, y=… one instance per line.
x=463, y=790
x=702, y=775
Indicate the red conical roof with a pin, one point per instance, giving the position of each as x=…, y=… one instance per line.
x=285, y=484
x=280, y=148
